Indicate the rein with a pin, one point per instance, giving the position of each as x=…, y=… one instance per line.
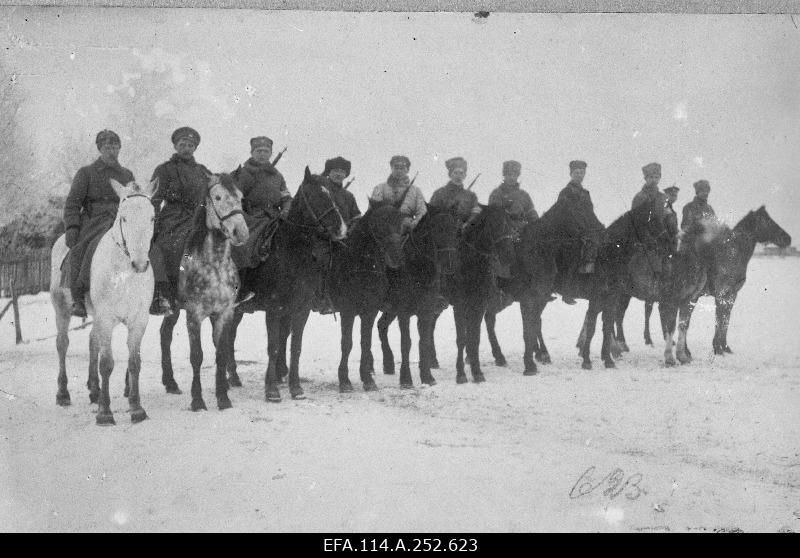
x=124, y=244
x=317, y=219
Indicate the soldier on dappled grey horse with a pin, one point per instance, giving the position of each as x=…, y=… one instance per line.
x=89, y=212
x=183, y=184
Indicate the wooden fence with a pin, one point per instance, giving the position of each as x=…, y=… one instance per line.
x=23, y=276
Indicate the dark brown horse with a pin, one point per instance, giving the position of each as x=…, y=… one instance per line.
x=727, y=253
x=285, y=282
x=358, y=282
x=485, y=251
x=414, y=290
x=207, y=285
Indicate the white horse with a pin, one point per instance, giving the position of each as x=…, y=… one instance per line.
x=120, y=291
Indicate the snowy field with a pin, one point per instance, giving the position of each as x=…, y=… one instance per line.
x=714, y=445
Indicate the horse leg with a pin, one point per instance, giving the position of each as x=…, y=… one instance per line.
x=233, y=376
x=220, y=324
x=581, y=342
x=683, y=330
x=62, y=344
x=724, y=306
x=102, y=331
x=624, y=301
x=298, y=324
x=384, y=322
x=135, y=334
x=281, y=370
x=193, y=324
x=425, y=331
x=93, y=383
x=405, y=348
x=528, y=336
x=668, y=312
x=609, y=340
x=367, y=366
x=348, y=318
x=473, y=330
x=491, y=319
x=589, y=324
x=167, y=376
x=648, y=311
x=271, y=391
x=461, y=334
x=434, y=362
x=541, y=352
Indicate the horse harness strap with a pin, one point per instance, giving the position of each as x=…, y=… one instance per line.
x=124, y=244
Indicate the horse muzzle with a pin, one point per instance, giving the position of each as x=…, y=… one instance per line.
x=140, y=267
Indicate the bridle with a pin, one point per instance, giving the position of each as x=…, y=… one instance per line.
x=221, y=218
x=124, y=244
x=318, y=218
x=507, y=235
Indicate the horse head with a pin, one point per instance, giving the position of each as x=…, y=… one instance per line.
x=383, y=221
x=133, y=227
x=490, y=233
x=442, y=227
x=223, y=202
x=767, y=230
x=314, y=206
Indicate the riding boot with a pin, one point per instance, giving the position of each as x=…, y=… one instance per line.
x=78, y=304
x=161, y=305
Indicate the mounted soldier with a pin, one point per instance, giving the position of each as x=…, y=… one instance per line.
x=512, y=198
x=402, y=193
x=89, y=211
x=672, y=215
x=453, y=196
x=337, y=169
x=657, y=255
x=698, y=209
x=265, y=199
x=183, y=183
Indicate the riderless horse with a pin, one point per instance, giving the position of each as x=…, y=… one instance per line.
x=120, y=291
x=414, y=290
x=284, y=284
x=207, y=285
x=358, y=283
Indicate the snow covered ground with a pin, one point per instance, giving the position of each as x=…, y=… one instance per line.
x=708, y=446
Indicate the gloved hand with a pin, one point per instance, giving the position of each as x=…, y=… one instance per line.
x=71, y=236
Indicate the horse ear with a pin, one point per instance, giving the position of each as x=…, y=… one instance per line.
x=307, y=175
x=121, y=190
x=151, y=188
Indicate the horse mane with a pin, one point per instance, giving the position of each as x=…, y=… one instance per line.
x=199, y=229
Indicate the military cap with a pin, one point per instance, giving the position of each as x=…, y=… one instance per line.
x=336, y=163
x=456, y=163
x=260, y=141
x=185, y=133
x=651, y=168
x=511, y=166
x=702, y=185
x=672, y=190
x=400, y=159
x=106, y=136
x=576, y=165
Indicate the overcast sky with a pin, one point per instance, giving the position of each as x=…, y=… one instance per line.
x=707, y=96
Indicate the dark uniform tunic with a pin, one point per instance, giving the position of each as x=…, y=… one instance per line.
x=91, y=206
x=658, y=255
x=182, y=185
x=694, y=211
x=516, y=202
x=454, y=197
x=345, y=201
x=647, y=194
x=264, y=195
x=586, y=225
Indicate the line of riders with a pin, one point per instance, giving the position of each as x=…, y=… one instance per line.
x=91, y=208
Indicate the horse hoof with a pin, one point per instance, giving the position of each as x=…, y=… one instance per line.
x=500, y=362
x=297, y=393
x=623, y=346
x=273, y=395
x=138, y=415
x=727, y=349
x=610, y=364
x=234, y=381
x=544, y=359
x=173, y=389
x=670, y=362
x=586, y=365
x=370, y=386
x=198, y=405
x=427, y=379
x=478, y=378
x=461, y=379
x=346, y=388
x=406, y=385
x=223, y=404
x=63, y=399
x=93, y=397
x=105, y=419
x=530, y=372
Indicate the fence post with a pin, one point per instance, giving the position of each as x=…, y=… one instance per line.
x=15, y=302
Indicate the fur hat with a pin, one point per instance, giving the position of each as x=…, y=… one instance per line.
x=400, y=159
x=336, y=163
x=260, y=141
x=185, y=133
x=456, y=163
x=106, y=136
x=576, y=165
x=702, y=185
x=651, y=169
x=511, y=166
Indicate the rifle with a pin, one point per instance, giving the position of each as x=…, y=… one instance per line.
x=278, y=158
x=346, y=186
x=413, y=179
x=471, y=184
